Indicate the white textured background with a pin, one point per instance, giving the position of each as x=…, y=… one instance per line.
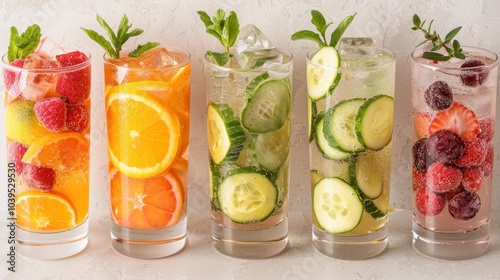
x=175, y=22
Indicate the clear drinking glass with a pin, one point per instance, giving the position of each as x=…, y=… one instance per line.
x=249, y=123
x=350, y=132
x=147, y=120
x=47, y=124
x=453, y=118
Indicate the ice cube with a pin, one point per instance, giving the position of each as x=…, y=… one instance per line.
x=257, y=59
x=251, y=38
x=155, y=58
x=49, y=47
x=356, y=46
x=36, y=84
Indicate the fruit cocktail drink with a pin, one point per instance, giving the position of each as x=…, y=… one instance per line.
x=147, y=97
x=47, y=124
x=248, y=122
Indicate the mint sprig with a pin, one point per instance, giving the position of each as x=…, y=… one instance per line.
x=224, y=29
x=319, y=21
x=118, y=39
x=22, y=45
x=437, y=43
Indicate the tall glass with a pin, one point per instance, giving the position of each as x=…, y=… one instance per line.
x=47, y=125
x=453, y=119
x=350, y=131
x=147, y=120
x=248, y=122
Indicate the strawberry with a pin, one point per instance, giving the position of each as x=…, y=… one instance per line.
x=473, y=179
x=16, y=152
x=486, y=128
x=11, y=78
x=418, y=179
x=442, y=178
x=38, y=178
x=74, y=86
x=459, y=119
x=77, y=118
x=421, y=123
x=428, y=202
x=474, y=154
x=52, y=113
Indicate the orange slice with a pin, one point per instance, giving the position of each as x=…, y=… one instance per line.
x=39, y=211
x=62, y=151
x=150, y=203
x=143, y=134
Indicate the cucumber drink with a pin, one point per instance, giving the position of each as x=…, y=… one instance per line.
x=249, y=125
x=351, y=105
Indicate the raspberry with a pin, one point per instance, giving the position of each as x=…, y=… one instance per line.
x=445, y=146
x=77, y=118
x=474, y=154
x=442, y=178
x=418, y=179
x=74, y=86
x=439, y=96
x=464, y=206
x=474, y=77
x=11, y=78
x=428, y=202
x=473, y=179
x=421, y=158
x=486, y=128
x=38, y=178
x=52, y=113
x=487, y=165
x=16, y=152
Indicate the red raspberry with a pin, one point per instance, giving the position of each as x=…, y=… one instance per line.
x=442, y=178
x=487, y=165
x=74, y=86
x=473, y=179
x=11, y=78
x=486, y=128
x=77, y=118
x=428, y=202
x=16, y=152
x=418, y=179
x=38, y=178
x=52, y=113
x=474, y=154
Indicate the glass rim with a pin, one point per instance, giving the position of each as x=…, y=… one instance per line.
x=278, y=66
x=6, y=65
x=184, y=62
x=487, y=53
x=366, y=68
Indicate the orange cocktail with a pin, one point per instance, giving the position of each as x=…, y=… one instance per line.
x=147, y=119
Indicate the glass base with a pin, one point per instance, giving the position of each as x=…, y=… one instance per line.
x=250, y=244
x=451, y=246
x=51, y=246
x=148, y=244
x=350, y=247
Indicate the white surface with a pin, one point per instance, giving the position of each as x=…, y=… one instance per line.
x=175, y=22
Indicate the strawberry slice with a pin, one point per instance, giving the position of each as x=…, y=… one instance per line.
x=459, y=119
x=421, y=123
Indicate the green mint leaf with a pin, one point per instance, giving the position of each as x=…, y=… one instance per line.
x=231, y=29
x=423, y=42
x=107, y=28
x=459, y=55
x=456, y=46
x=105, y=44
x=430, y=25
x=225, y=30
x=308, y=35
x=452, y=35
x=435, y=56
x=436, y=48
x=220, y=58
x=143, y=48
x=416, y=20
x=339, y=31
x=318, y=20
x=123, y=27
x=205, y=18
x=22, y=45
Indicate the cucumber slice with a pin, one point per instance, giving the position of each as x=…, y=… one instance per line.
x=366, y=175
x=214, y=176
x=339, y=127
x=374, y=122
x=336, y=205
x=321, y=81
x=225, y=135
x=373, y=210
x=268, y=107
x=271, y=149
x=312, y=111
x=247, y=195
x=326, y=150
